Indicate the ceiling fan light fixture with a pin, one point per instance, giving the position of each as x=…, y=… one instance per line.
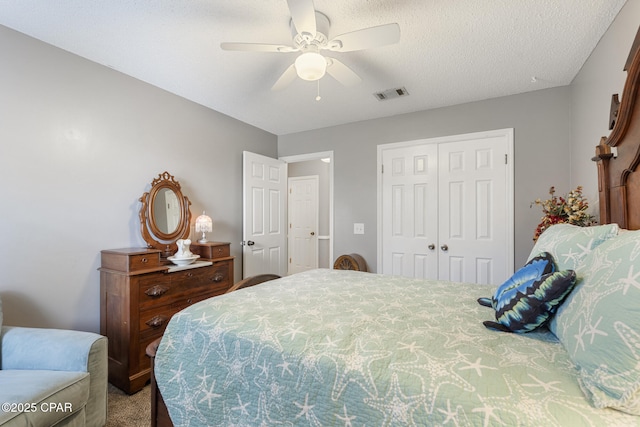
x=311, y=66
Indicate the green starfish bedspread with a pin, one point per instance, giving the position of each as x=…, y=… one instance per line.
x=345, y=348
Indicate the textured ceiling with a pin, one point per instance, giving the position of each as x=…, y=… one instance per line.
x=450, y=52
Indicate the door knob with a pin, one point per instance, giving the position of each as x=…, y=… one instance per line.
x=251, y=243
x=431, y=246
x=444, y=248
x=313, y=233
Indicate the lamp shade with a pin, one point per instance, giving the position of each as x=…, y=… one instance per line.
x=311, y=66
x=204, y=224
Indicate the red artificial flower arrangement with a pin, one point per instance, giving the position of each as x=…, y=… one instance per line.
x=570, y=209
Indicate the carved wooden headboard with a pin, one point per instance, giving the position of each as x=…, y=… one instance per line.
x=619, y=176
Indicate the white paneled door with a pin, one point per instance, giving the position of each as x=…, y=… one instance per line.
x=410, y=211
x=303, y=223
x=447, y=208
x=473, y=211
x=264, y=232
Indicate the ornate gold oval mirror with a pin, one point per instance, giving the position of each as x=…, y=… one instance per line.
x=164, y=215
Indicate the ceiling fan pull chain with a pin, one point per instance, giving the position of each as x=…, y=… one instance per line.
x=318, y=98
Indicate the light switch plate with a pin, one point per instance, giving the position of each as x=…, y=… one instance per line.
x=358, y=228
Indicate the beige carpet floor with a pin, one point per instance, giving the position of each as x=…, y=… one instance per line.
x=129, y=411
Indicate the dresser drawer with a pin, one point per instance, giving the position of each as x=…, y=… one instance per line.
x=216, y=273
x=153, y=290
x=211, y=250
x=155, y=319
x=130, y=259
x=143, y=261
x=182, y=304
x=169, y=287
x=213, y=279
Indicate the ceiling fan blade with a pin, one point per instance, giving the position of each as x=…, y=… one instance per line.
x=286, y=78
x=342, y=73
x=303, y=15
x=257, y=47
x=366, y=38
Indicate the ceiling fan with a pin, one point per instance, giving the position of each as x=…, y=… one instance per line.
x=309, y=29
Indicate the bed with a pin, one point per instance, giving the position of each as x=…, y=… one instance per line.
x=347, y=348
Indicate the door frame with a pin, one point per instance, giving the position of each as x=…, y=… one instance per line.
x=508, y=133
x=317, y=156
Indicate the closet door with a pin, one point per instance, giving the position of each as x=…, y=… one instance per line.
x=472, y=203
x=410, y=211
x=446, y=208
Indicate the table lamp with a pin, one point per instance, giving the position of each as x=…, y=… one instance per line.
x=204, y=224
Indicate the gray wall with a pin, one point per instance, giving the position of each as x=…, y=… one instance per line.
x=541, y=121
x=79, y=144
x=600, y=77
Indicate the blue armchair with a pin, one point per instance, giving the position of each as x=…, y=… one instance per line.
x=52, y=377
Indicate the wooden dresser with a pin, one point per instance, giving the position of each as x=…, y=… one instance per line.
x=139, y=292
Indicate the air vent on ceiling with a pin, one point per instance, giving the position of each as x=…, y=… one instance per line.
x=391, y=93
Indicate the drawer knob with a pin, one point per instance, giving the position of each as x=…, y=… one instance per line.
x=144, y=260
x=156, y=291
x=218, y=277
x=156, y=321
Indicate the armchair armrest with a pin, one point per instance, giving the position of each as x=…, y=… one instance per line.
x=60, y=350
x=45, y=349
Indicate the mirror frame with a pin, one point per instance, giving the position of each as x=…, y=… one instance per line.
x=156, y=238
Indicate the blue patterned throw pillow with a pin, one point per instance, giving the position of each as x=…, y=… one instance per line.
x=528, y=299
x=533, y=302
x=542, y=263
